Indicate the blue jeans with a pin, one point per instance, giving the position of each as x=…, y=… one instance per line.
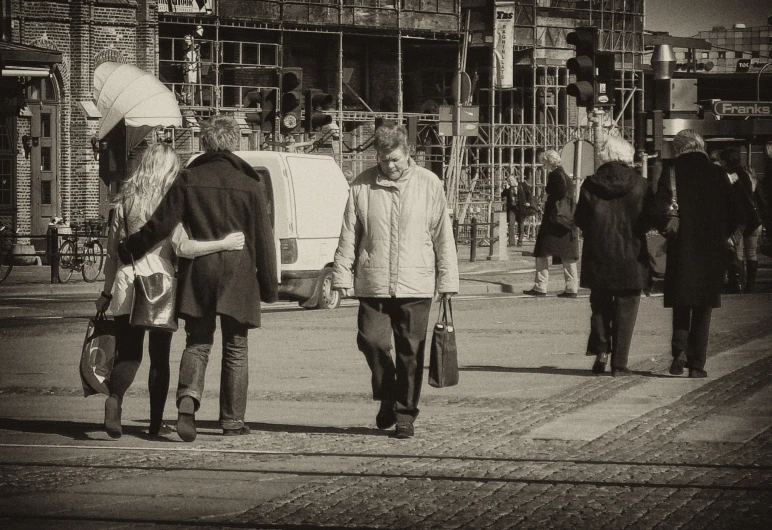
x=234, y=380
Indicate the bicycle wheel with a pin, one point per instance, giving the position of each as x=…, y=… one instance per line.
x=6, y=261
x=66, y=261
x=93, y=259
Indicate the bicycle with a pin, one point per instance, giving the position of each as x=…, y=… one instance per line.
x=6, y=252
x=90, y=261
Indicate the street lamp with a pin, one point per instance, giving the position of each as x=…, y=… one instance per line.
x=758, y=81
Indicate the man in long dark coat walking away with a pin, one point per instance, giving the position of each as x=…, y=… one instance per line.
x=697, y=252
x=216, y=195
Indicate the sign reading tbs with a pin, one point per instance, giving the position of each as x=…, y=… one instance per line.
x=743, y=108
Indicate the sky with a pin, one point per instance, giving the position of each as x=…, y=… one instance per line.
x=685, y=18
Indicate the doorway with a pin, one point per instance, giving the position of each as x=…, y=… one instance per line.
x=44, y=170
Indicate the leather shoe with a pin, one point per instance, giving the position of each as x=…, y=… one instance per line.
x=567, y=295
x=385, y=418
x=534, y=292
x=677, y=366
x=599, y=366
x=621, y=372
x=241, y=431
x=696, y=373
x=186, y=419
x=404, y=430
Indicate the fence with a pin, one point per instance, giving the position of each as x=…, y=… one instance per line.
x=478, y=234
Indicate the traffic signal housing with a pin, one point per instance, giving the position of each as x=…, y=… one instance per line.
x=604, y=79
x=266, y=100
x=582, y=65
x=317, y=101
x=291, y=99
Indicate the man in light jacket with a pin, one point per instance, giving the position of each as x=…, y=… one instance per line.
x=396, y=250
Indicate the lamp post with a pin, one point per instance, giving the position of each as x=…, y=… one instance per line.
x=758, y=81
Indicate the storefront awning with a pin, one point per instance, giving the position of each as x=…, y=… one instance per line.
x=27, y=61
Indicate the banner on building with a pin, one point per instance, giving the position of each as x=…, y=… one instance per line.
x=185, y=6
x=503, y=44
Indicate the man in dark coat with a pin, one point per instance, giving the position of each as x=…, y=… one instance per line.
x=216, y=195
x=522, y=206
x=509, y=195
x=553, y=240
x=612, y=213
x=697, y=252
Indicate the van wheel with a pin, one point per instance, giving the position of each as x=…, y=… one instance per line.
x=327, y=297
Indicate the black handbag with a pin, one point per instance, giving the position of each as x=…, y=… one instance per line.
x=562, y=215
x=154, y=299
x=97, y=355
x=443, y=359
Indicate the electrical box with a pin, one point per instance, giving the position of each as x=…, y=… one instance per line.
x=683, y=95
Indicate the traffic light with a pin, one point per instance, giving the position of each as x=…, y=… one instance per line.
x=583, y=65
x=604, y=79
x=291, y=98
x=266, y=100
x=316, y=101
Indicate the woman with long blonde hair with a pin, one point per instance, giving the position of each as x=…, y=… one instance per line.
x=137, y=200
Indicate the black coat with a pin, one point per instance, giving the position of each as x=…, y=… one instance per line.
x=524, y=196
x=510, y=199
x=216, y=195
x=553, y=240
x=697, y=258
x=613, y=213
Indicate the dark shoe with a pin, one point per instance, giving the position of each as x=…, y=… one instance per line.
x=385, y=419
x=696, y=373
x=186, y=419
x=751, y=271
x=621, y=372
x=677, y=366
x=113, y=417
x=534, y=292
x=404, y=430
x=241, y=431
x=163, y=429
x=567, y=295
x=599, y=366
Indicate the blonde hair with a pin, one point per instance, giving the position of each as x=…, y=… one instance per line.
x=688, y=141
x=616, y=149
x=551, y=157
x=152, y=178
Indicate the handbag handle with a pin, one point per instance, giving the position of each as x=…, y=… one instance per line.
x=442, y=314
x=674, y=199
x=126, y=227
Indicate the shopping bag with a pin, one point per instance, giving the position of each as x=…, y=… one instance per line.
x=443, y=358
x=98, y=355
x=153, y=302
x=562, y=216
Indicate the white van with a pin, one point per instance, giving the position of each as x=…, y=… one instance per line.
x=307, y=196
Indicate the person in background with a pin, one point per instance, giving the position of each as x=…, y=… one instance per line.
x=217, y=194
x=396, y=249
x=509, y=195
x=696, y=250
x=555, y=241
x=138, y=198
x=612, y=212
x=746, y=238
x=522, y=207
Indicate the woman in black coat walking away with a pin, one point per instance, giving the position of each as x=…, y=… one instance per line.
x=554, y=240
x=612, y=213
x=696, y=250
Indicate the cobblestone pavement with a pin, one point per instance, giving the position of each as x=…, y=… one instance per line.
x=482, y=469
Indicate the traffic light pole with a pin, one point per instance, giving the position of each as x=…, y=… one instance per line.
x=597, y=132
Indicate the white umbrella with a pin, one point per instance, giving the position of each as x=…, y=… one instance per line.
x=125, y=92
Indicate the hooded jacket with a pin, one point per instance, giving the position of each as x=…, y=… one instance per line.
x=612, y=213
x=397, y=238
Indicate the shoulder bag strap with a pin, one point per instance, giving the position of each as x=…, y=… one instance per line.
x=126, y=227
x=673, y=186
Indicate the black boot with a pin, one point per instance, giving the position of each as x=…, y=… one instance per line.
x=733, y=287
x=751, y=266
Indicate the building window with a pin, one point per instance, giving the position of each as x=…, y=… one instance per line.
x=722, y=55
x=45, y=192
x=704, y=55
x=45, y=159
x=45, y=126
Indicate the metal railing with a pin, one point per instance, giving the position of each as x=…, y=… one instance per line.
x=477, y=234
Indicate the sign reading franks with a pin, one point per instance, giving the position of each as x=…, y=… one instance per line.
x=761, y=109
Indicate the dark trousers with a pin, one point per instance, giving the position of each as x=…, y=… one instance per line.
x=691, y=328
x=520, y=218
x=129, y=341
x=511, y=223
x=614, y=313
x=406, y=320
x=234, y=378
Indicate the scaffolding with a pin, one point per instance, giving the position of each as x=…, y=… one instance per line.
x=397, y=60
